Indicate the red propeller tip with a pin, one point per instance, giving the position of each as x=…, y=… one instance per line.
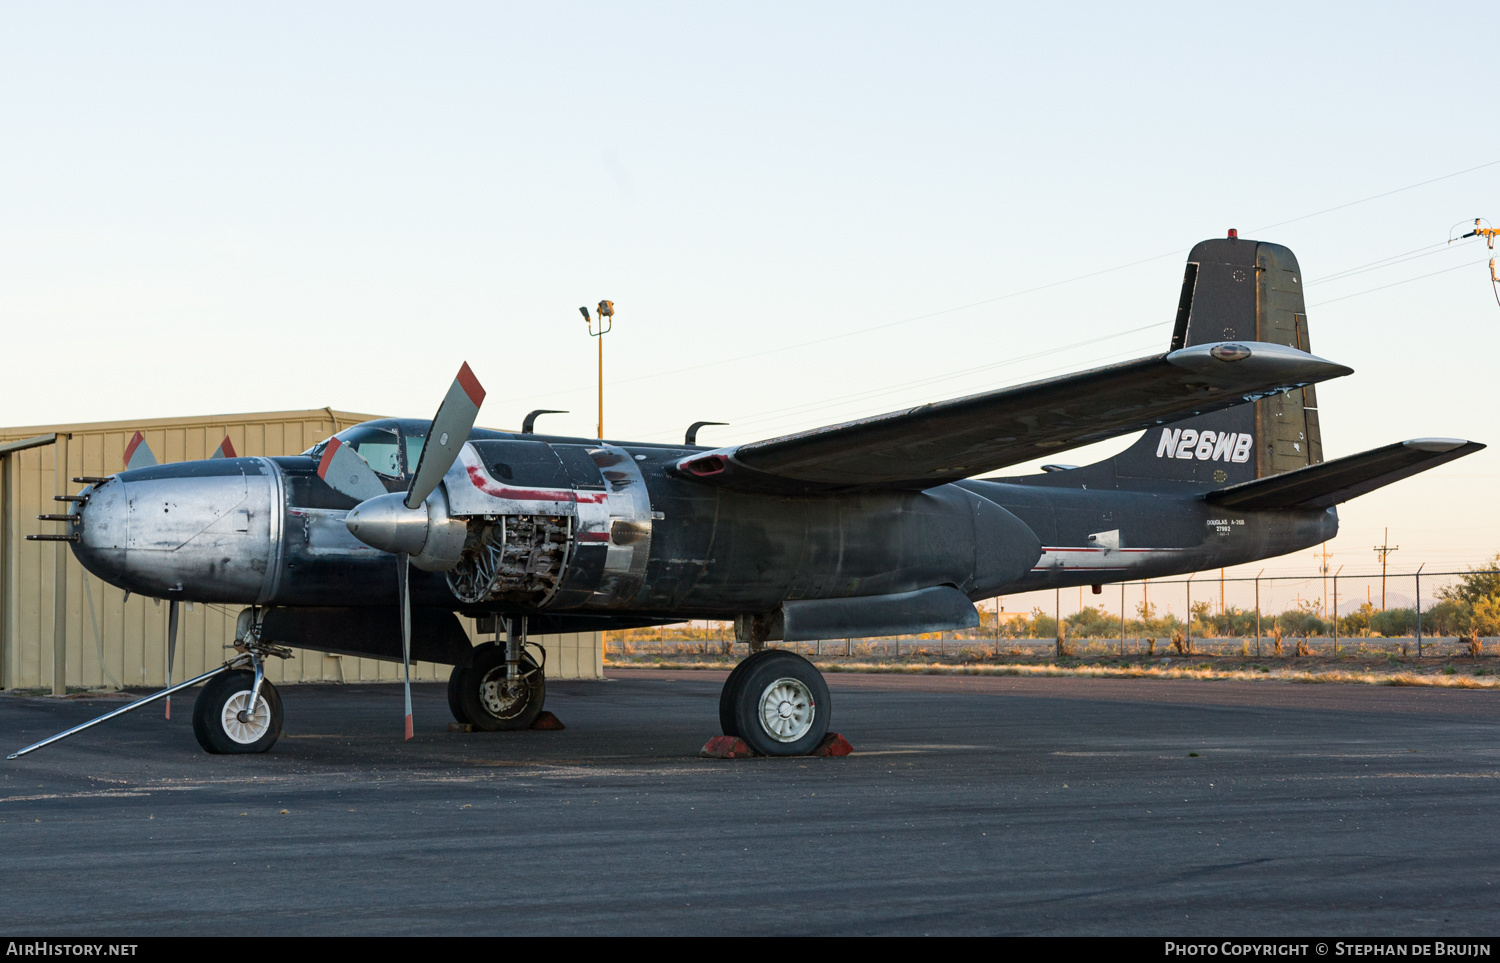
x=328, y=453
x=408, y=727
x=471, y=385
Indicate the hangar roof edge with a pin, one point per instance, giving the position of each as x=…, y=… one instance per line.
x=191, y=421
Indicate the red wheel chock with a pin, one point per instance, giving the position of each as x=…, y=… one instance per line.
x=733, y=747
x=545, y=721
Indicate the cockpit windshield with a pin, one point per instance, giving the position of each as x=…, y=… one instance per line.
x=382, y=445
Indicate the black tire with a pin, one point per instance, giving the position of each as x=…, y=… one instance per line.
x=224, y=737
x=731, y=686
x=458, y=680
x=781, y=707
x=482, y=695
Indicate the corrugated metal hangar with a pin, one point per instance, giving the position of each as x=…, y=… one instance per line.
x=52, y=611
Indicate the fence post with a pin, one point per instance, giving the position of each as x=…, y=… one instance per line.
x=1336, y=612
x=1419, y=608
x=1257, y=615
x=1122, y=620
x=1187, y=631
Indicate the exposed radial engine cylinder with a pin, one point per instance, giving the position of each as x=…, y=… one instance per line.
x=514, y=558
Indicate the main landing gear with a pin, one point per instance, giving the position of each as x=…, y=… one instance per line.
x=503, y=687
x=777, y=702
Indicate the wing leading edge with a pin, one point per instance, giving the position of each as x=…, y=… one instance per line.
x=938, y=443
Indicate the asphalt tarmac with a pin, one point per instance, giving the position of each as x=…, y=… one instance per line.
x=972, y=805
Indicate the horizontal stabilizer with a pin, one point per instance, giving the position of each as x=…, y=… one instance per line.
x=939, y=609
x=934, y=444
x=1337, y=481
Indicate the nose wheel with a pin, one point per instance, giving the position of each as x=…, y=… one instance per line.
x=225, y=721
x=777, y=702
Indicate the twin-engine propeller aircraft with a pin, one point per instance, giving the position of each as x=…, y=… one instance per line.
x=369, y=542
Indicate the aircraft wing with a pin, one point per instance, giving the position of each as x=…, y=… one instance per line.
x=938, y=443
x=1337, y=481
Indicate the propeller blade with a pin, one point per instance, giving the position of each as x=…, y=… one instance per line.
x=347, y=472
x=225, y=449
x=404, y=588
x=138, y=453
x=171, y=647
x=446, y=436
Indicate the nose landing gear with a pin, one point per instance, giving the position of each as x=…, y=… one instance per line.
x=236, y=713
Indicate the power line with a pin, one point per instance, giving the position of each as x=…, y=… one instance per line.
x=1457, y=267
x=1386, y=262
x=1014, y=294
x=1376, y=197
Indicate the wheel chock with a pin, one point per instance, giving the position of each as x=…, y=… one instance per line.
x=726, y=747
x=833, y=744
x=460, y=727
x=733, y=747
x=548, y=722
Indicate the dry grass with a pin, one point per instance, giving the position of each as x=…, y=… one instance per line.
x=1201, y=671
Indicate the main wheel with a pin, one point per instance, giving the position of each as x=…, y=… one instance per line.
x=490, y=702
x=458, y=680
x=223, y=721
x=731, y=688
x=781, y=707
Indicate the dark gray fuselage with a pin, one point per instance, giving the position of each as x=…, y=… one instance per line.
x=268, y=531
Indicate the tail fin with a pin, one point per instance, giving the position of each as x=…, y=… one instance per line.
x=1235, y=289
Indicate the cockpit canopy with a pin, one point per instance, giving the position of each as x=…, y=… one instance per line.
x=391, y=446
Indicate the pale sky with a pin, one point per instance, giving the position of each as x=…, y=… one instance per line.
x=803, y=212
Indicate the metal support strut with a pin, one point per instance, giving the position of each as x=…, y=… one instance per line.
x=259, y=665
x=234, y=663
x=515, y=642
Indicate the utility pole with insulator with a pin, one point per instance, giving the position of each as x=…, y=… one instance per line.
x=1384, y=551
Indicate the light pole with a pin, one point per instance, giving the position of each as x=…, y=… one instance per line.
x=606, y=311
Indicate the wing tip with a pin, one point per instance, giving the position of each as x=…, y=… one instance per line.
x=1439, y=446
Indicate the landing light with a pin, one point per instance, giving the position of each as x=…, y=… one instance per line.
x=1229, y=352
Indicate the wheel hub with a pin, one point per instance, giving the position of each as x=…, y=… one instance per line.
x=787, y=710
x=501, y=697
x=243, y=725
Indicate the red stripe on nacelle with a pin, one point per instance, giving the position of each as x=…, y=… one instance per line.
x=471, y=385
x=333, y=446
x=491, y=487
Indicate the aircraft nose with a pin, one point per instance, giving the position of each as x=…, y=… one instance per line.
x=99, y=526
x=203, y=530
